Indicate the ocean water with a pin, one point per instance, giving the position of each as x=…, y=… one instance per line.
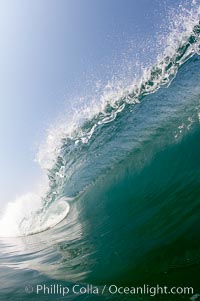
x=122, y=200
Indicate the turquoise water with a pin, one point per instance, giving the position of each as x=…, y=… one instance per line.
x=123, y=201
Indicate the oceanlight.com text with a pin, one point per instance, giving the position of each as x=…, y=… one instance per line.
x=78, y=289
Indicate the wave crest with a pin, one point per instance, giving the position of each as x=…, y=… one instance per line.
x=182, y=43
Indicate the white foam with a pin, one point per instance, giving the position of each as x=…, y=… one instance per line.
x=25, y=216
x=16, y=211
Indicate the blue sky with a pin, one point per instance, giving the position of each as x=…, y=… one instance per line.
x=50, y=52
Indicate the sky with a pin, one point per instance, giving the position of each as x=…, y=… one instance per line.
x=52, y=52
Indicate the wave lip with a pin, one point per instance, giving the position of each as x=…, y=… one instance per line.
x=181, y=44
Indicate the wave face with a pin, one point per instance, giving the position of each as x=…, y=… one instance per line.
x=123, y=190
